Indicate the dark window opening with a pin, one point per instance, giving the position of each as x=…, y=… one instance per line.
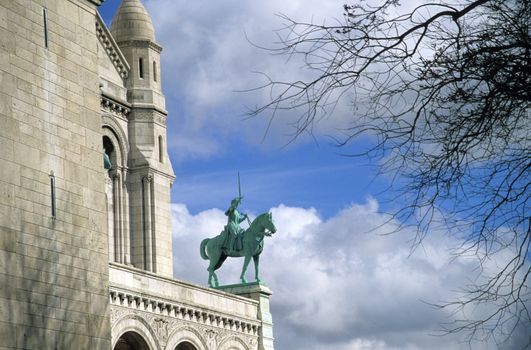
x=141, y=68
x=185, y=346
x=154, y=71
x=161, y=149
x=108, y=149
x=131, y=341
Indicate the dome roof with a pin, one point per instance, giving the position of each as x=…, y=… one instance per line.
x=132, y=22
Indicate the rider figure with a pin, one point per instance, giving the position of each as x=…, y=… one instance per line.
x=233, y=229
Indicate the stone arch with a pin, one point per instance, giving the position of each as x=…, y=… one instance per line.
x=138, y=325
x=109, y=134
x=185, y=346
x=186, y=334
x=114, y=131
x=233, y=343
x=131, y=341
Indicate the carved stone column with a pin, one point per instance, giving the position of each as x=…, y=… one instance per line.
x=110, y=212
x=147, y=224
x=117, y=214
x=125, y=221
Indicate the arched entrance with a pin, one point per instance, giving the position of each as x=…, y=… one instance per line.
x=185, y=346
x=131, y=341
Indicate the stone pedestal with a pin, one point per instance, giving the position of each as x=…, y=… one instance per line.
x=260, y=293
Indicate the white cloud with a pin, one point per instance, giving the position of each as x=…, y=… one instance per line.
x=207, y=59
x=339, y=283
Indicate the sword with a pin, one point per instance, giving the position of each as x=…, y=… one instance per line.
x=240, y=195
x=239, y=187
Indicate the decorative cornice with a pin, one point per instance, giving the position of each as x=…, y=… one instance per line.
x=142, y=43
x=174, y=310
x=148, y=116
x=138, y=106
x=147, y=168
x=116, y=108
x=112, y=49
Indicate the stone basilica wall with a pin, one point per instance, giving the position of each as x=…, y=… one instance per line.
x=53, y=271
x=75, y=269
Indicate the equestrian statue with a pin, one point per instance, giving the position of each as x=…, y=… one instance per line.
x=236, y=242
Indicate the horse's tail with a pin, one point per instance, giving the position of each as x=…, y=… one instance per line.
x=202, y=250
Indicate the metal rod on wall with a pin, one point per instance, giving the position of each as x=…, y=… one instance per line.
x=52, y=192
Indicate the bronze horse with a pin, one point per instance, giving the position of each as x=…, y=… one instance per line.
x=253, y=245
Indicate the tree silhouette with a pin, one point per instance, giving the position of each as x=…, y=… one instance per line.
x=444, y=90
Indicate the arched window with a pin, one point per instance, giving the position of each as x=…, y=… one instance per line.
x=116, y=200
x=108, y=153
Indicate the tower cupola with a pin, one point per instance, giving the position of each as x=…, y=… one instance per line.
x=132, y=22
x=133, y=31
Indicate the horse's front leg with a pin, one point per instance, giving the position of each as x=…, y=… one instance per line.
x=244, y=269
x=256, y=260
x=210, y=279
x=212, y=275
x=216, y=282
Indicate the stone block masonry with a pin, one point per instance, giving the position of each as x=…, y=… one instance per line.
x=86, y=252
x=53, y=272
x=261, y=294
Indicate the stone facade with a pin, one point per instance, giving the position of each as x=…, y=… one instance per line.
x=175, y=312
x=86, y=251
x=53, y=264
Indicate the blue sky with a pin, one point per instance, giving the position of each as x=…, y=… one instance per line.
x=330, y=258
x=309, y=173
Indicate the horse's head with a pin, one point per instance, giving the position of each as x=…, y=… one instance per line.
x=263, y=224
x=269, y=225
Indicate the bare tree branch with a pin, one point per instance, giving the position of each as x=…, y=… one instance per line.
x=444, y=91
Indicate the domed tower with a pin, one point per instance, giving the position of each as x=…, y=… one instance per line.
x=150, y=172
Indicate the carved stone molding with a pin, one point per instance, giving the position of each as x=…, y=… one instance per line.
x=167, y=318
x=149, y=117
x=211, y=337
x=117, y=314
x=114, y=108
x=147, y=178
x=114, y=53
x=160, y=326
x=142, y=43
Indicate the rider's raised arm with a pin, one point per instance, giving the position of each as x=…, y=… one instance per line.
x=242, y=217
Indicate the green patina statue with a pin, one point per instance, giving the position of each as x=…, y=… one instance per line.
x=233, y=232
x=106, y=161
x=233, y=241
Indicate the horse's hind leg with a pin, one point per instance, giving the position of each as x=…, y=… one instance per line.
x=214, y=259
